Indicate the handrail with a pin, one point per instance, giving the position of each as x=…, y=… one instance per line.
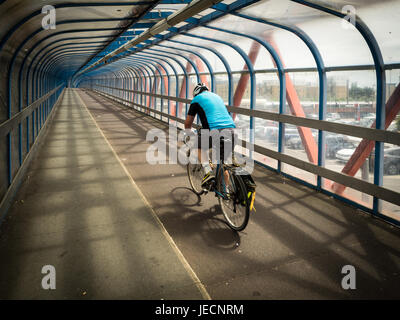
x=13, y=122
x=357, y=184
x=340, y=128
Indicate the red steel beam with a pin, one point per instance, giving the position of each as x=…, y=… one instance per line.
x=158, y=79
x=365, y=147
x=203, y=78
x=296, y=108
x=244, y=78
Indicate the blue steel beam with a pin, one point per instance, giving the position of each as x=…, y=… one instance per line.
x=321, y=75
x=281, y=76
x=239, y=4
x=151, y=6
x=380, y=87
x=157, y=59
x=173, y=69
x=249, y=67
x=206, y=62
x=154, y=76
x=64, y=5
x=184, y=70
x=223, y=60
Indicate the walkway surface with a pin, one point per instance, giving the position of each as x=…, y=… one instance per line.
x=80, y=211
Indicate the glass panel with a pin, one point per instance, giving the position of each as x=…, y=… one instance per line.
x=391, y=210
x=338, y=41
x=304, y=100
x=222, y=87
x=351, y=97
x=384, y=26
x=267, y=92
x=299, y=173
x=295, y=147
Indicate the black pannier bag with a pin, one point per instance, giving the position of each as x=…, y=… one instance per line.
x=249, y=184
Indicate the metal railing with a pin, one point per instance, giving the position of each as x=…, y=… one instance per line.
x=349, y=181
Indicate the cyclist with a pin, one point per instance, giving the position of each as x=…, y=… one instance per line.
x=213, y=115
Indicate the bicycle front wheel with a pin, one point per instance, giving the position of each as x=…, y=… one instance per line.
x=195, y=174
x=235, y=205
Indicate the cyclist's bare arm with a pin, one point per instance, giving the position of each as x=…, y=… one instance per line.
x=202, y=154
x=189, y=121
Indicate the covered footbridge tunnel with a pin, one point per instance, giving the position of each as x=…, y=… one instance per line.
x=313, y=88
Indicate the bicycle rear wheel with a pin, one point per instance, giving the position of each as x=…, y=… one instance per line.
x=236, y=208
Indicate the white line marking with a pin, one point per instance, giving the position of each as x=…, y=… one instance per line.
x=181, y=258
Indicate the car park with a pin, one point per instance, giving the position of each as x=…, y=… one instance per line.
x=391, y=161
x=333, y=116
x=336, y=142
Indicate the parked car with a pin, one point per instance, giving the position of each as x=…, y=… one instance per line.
x=334, y=143
x=290, y=133
x=297, y=143
x=343, y=155
x=367, y=121
x=333, y=116
x=391, y=161
x=392, y=127
x=349, y=146
x=267, y=133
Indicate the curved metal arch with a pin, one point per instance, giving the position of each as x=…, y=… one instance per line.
x=34, y=58
x=223, y=60
x=73, y=21
x=275, y=57
x=145, y=66
x=159, y=72
x=16, y=26
x=211, y=72
x=143, y=83
x=41, y=67
x=251, y=72
x=138, y=73
x=99, y=43
x=49, y=68
x=154, y=76
x=124, y=75
x=40, y=63
x=61, y=40
x=142, y=54
x=52, y=64
x=135, y=78
x=321, y=76
x=185, y=74
x=236, y=5
x=185, y=58
x=158, y=62
x=145, y=69
x=157, y=55
x=376, y=53
x=304, y=37
x=121, y=83
x=18, y=50
x=131, y=82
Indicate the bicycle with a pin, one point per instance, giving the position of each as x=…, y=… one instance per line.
x=235, y=199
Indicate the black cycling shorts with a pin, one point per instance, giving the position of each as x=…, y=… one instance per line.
x=221, y=140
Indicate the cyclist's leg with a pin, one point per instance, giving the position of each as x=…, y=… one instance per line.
x=203, y=155
x=226, y=145
x=204, y=145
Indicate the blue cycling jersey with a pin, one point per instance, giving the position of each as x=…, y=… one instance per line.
x=211, y=110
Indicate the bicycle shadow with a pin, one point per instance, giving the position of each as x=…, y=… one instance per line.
x=210, y=223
